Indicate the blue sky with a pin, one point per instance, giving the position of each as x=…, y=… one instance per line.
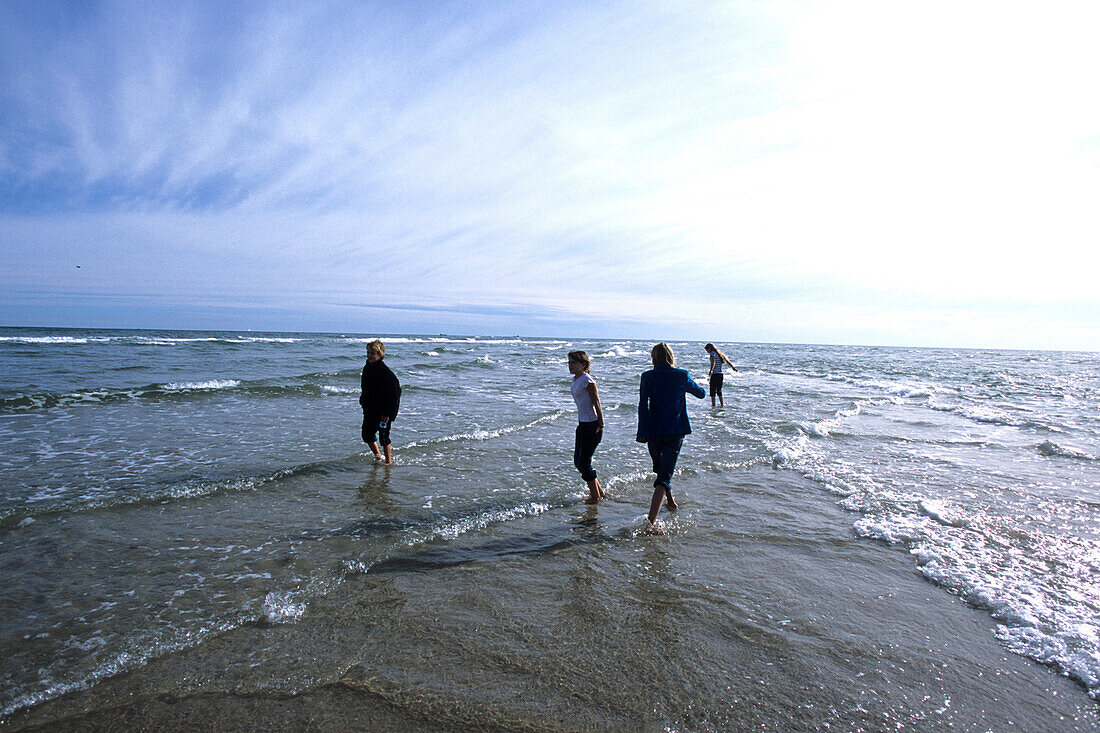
x=838, y=172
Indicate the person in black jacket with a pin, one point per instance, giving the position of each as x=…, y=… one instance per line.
x=380, y=400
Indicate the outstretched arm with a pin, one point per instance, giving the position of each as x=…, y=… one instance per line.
x=694, y=388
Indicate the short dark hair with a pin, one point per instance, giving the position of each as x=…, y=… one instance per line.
x=582, y=357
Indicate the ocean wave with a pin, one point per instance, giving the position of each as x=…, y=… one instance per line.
x=907, y=390
x=183, y=491
x=618, y=351
x=143, y=647
x=333, y=389
x=416, y=533
x=787, y=454
x=46, y=400
x=138, y=651
x=941, y=513
x=989, y=415
x=263, y=340
x=63, y=340
x=172, y=341
x=442, y=340
x=1050, y=448
x=449, y=529
x=305, y=386
x=210, y=384
x=822, y=428
x=481, y=435
x=141, y=340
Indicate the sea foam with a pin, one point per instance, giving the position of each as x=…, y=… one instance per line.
x=207, y=385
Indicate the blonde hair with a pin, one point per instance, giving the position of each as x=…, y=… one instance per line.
x=712, y=347
x=582, y=357
x=376, y=344
x=662, y=354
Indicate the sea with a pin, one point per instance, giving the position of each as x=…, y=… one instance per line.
x=193, y=535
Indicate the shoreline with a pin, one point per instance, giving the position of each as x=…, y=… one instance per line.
x=826, y=632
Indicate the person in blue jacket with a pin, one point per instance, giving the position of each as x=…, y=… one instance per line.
x=663, y=421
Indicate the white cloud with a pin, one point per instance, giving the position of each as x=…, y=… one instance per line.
x=847, y=160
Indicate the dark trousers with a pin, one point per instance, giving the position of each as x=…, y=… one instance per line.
x=664, y=450
x=370, y=427
x=589, y=435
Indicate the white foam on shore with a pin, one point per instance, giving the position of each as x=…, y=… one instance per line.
x=785, y=455
x=1030, y=584
x=282, y=607
x=1038, y=585
x=938, y=510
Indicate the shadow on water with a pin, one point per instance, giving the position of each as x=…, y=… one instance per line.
x=545, y=542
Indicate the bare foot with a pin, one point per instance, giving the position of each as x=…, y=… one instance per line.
x=672, y=505
x=591, y=500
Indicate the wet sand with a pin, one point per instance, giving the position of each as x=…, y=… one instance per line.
x=514, y=629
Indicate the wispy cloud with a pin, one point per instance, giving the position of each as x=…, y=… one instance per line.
x=729, y=167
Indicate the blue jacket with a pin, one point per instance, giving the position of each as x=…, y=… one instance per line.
x=662, y=409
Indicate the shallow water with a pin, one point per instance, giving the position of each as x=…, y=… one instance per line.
x=193, y=514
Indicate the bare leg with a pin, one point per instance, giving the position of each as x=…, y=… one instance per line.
x=672, y=505
x=655, y=505
x=389, y=453
x=721, y=400
x=375, y=451
x=595, y=491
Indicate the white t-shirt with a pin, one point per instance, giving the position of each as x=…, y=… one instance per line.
x=586, y=411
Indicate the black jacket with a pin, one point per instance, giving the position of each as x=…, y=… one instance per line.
x=381, y=390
